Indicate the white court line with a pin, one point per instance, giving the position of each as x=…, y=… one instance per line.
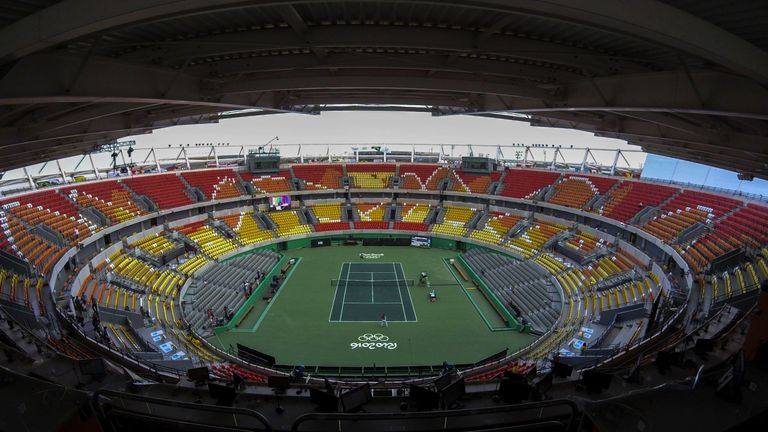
x=372, y=301
x=330, y=315
x=413, y=307
x=343, y=299
x=405, y=317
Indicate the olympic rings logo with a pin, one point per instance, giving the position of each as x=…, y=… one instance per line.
x=377, y=337
x=373, y=341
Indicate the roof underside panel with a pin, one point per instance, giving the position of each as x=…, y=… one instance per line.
x=73, y=76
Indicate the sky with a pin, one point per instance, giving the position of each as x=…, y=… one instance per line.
x=389, y=128
x=346, y=129
x=665, y=168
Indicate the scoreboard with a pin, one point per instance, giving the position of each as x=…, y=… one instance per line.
x=263, y=163
x=479, y=165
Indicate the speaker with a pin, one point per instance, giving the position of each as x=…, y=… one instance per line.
x=761, y=358
x=200, y=374
x=703, y=346
x=326, y=402
x=596, y=382
x=561, y=370
x=94, y=368
x=224, y=394
x=353, y=400
x=423, y=399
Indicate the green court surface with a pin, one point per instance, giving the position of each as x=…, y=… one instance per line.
x=368, y=292
x=307, y=323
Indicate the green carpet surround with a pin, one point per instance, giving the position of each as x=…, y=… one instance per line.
x=366, y=292
x=298, y=326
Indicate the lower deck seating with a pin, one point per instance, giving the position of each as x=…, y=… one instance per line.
x=411, y=226
x=415, y=213
x=327, y=212
x=532, y=239
x=377, y=225
x=288, y=223
x=523, y=286
x=222, y=286
x=332, y=226
x=371, y=212
x=248, y=231
x=211, y=242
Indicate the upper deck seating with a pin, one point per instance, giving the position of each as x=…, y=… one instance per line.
x=575, y=190
x=108, y=197
x=274, y=183
x=319, y=176
x=214, y=183
x=165, y=190
x=370, y=175
x=521, y=183
x=422, y=176
x=631, y=197
x=473, y=183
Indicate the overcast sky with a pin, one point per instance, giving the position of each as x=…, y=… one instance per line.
x=365, y=128
x=359, y=128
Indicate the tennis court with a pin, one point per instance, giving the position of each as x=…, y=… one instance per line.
x=365, y=291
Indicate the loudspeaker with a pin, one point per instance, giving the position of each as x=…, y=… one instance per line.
x=761, y=358
x=561, y=370
x=703, y=345
x=94, y=368
x=326, y=402
x=596, y=382
x=354, y=399
x=423, y=399
x=224, y=394
x=279, y=382
x=200, y=374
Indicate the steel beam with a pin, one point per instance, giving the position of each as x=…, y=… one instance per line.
x=680, y=31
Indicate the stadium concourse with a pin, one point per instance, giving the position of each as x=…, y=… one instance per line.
x=315, y=275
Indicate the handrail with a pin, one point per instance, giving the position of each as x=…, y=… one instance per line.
x=361, y=418
x=147, y=400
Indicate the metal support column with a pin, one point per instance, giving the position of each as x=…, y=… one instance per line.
x=157, y=163
x=615, y=161
x=186, y=158
x=93, y=165
x=29, y=178
x=61, y=171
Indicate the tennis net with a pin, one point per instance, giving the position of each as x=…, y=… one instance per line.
x=375, y=282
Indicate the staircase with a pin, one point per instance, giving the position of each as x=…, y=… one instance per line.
x=603, y=199
x=495, y=187
x=142, y=201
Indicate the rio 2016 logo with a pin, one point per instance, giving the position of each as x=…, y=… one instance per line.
x=373, y=341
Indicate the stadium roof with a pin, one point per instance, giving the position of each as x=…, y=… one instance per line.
x=683, y=78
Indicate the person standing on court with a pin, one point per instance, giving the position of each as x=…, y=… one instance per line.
x=384, y=320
